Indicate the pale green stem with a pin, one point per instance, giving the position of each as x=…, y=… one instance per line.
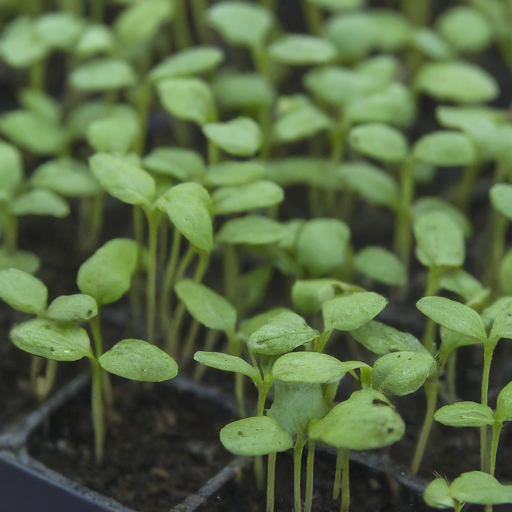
x=153, y=221
x=499, y=227
x=231, y=273
x=188, y=346
x=467, y=185
x=496, y=431
x=235, y=349
x=433, y=276
x=11, y=233
x=91, y=221
x=269, y=4
x=313, y=16
x=431, y=392
x=271, y=478
x=484, y=456
x=403, y=232
x=97, y=10
x=97, y=410
x=337, y=475
x=108, y=394
x=297, y=466
x=199, y=8
x=36, y=364
x=450, y=376
x=310, y=467
x=211, y=338
x=44, y=384
x=181, y=27
x=38, y=75
x=213, y=154
x=143, y=104
x=163, y=240
x=345, y=482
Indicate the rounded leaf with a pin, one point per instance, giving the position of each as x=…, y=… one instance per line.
x=480, y=488
x=179, y=163
x=103, y=74
x=445, y=149
x=23, y=291
x=260, y=435
x=40, y=201
x=72, y=308
x=240, y=137
x=504, y=404
x=501, y=199
x=251, y=230
x=242, y=90
x=22, y=260
x=302, y=50
x=228, y=174
x=437, y=494
x=227, y=363
x=379, y=141
x=308, y=296
x=51, y=340
x=381, y=265
x=465, y=414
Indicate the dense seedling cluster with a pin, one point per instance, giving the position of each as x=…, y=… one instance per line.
x=305, y=168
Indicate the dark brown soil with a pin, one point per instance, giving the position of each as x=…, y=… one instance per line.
x=166, y=446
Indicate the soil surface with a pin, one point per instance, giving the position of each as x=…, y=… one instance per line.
x=159, y=456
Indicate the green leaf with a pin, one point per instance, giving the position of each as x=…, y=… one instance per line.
x=465, y=414
x=480, y=488
x=302, y=50
x=281, y=334
x=259, y=194
x=339, y=5
x=453, y=316
x=393, y=105
x=311, y=367
x=501, y=197
x=457, y=81
x=253, y=285
x=363, y=422
x=22, y=260
x=445, y=149
x=437, y=494
x=502, y=326
x=251, y=230
x=466, y=29
x=440, y=240
x=461, y=282
x=227, y=363
x=351, y=311
x=234, y=173
x=373, y=184
x=40, y=103
x=83, y=115
x=450, y=340
x=492, y=312
x=72, y=308
x=141, y=21
x=250, y=325
x=139, y=360
x=23, y=291
x=241, y=23
x=21, y=46
x=33, y=132
x=402, y=373
x=240, y=137
x=11, y=170
x=339, y=86
x=381, y=265
x=188, y=205
x=191, y=61
x=180, y=163
x=308, y=296
x=115, y=133
x=123, y=180
x=504, y=404
x=44, y=338
x=107, y=274
x=260, y=435
x=321, y=245
x=379, y=141
x=187, y=98
x=95, y=39
x=206, y=306
x=39, y=201
x=382, y=339
x=505, y=274
x=299, y=119
x=352, y=33
x=392, y=30
x=242, y=90
x=66, y=176
x=296, y=405
x=59, y=30
x=431, y=44
x=382, y=68
x=103, y=74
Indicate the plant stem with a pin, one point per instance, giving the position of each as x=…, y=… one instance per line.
x=211, y=338
x=181, y=27
x=36, y=363
x=153, y=220
x=44, y=384
x=199, y=13
x=337, y=476
x=496, y=431
x=450, y=376
x=235, y=349
x=467, y=185
x=418, y=11
x=271, y=478
x=213, y=154
x=484, y=455
x=142, y=104
x=38, y=75
x=97, y=410
x=11, y=233
x=431, y=392
x=403, y=233
x=269, y=4
x=97, y=10
x=429, y=342
x=345, y=482
x=499, y=226
x=188, y=346
x=95, y=324
x=313, y=16
x=231, y=273
x=91, y=221
x=310, y=467
x=297, y=465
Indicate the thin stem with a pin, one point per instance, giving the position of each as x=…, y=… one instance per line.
x=97, y=10
x=143, y=103
x=496, y=431
x=271, y=478
x=313, y=16
x=38, y=75
x=211, y=338
x=44, y=384
x=153, y=220
x=183, y=38
x=484, y=455
x=434, y=273
x=235, y=349
x=97, y=410
x=36, y=363
x=11, y=233
x=231, y=273
x=345, y=482
x=310, y=466
x=403, y=233
x=337, y=476
x=467, y=185
x=431, y=392
x=108, y=394
x=297, y=465
x=188, y=346
x=199, y=13
x=91, y=212
x=450, y=376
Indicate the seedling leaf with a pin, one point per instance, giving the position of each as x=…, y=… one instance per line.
x=379, y=141
x=251, y=230
x=44, y=338
x=259, y=194
x=381, y=265
x=308, y=296
x=240, y=137
x=445, y=148
x=11, y=170
x=102, y=74
x=437, y=494
x=206, y=306
x=350, y=311
x=302, y=50
x=139, y=360
x=465, y=414
x=180, y=163
x=480, y=488
x=260, y=435
x=22, y=260
x=501, y=199
x=504, y=404
x=502, y=326
x=227, y=363
x=228, y=174
x=40, y=201
x=23, y=291
x=72, y=308
x=242, y=90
